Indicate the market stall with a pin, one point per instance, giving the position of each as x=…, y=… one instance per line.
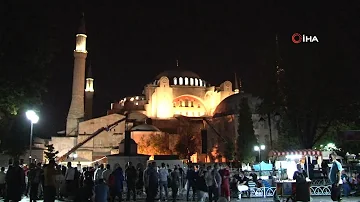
x=290, y=158
x=287, y=186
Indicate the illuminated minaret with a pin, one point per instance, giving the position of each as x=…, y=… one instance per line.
x=236, y=85
x=89, y=94
x=76, y=111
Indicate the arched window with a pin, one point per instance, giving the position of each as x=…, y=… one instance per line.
x=191, y=81
x=196, y=82
x=175, y=81
x=186, y=81
x=181, y=81
x=204, y=84
x=200, y=82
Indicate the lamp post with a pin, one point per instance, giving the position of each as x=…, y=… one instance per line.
x=259, y=148
x=34, y=118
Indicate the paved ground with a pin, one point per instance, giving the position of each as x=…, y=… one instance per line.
x=314, y=199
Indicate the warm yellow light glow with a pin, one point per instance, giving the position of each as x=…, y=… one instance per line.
x=89, y=85
x=236, y=91
x=137, y=97
x=132, y=99
x=164, y=110
x=81, y=43
x=136, y=103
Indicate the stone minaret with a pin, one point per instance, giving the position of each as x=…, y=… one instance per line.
x=89, y=94
x=76, y=111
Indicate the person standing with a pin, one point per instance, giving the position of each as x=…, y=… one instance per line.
x=70, y=177
x=130, y=176
x=191, y=182
x=151, y=182
x=106, y=174
x=163, y=175
x=217, y=183
x=50, y=182
x=116, y=181
x=175, y=182
x=335, y=177
x=2, y=182
x=34, y=180
x=225, y=183
x=15, y=181
x=201, y=187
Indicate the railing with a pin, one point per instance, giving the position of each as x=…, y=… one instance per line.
x=320, y=182
x=254, y=192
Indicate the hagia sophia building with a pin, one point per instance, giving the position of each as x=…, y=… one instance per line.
x=176, y=102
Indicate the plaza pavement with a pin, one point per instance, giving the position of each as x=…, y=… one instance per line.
x=313, y=199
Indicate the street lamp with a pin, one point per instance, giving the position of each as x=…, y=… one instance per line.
x=34, y=118
x=259, y=148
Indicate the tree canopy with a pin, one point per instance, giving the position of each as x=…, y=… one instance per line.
x=313, y=87
x=50, y=153
x=188, y=141
x=246, y=139
x=26, y=49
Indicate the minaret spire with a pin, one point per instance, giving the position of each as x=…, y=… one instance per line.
x=177, y=63
x=240, y=86
x=82, y=28
x=236, y=85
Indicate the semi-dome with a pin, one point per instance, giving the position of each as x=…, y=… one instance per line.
x=230, y=105
x=182, y=78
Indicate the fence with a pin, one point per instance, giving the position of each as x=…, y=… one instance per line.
x=322, y=190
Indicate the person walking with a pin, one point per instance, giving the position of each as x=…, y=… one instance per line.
x=335, y=177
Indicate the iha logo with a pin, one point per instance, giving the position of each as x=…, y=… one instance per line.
x=298, y=38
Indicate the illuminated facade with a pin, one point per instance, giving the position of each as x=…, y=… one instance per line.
x=172, y=95
x=176, y=92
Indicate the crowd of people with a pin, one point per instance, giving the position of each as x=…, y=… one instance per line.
x=103, y=183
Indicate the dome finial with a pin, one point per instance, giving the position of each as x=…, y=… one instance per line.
x=177, y=63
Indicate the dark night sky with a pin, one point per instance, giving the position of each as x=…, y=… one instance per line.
x=129, y=44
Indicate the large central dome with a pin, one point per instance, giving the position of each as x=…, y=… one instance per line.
x=178, y=73
x=182, y=78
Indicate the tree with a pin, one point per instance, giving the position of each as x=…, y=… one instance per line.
x=229, y=149
x=16, y=142
x=188, y=142
x=311, y=93
x=24, y=59
x=246, y=139
x=154, y=144
x=50, y=153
